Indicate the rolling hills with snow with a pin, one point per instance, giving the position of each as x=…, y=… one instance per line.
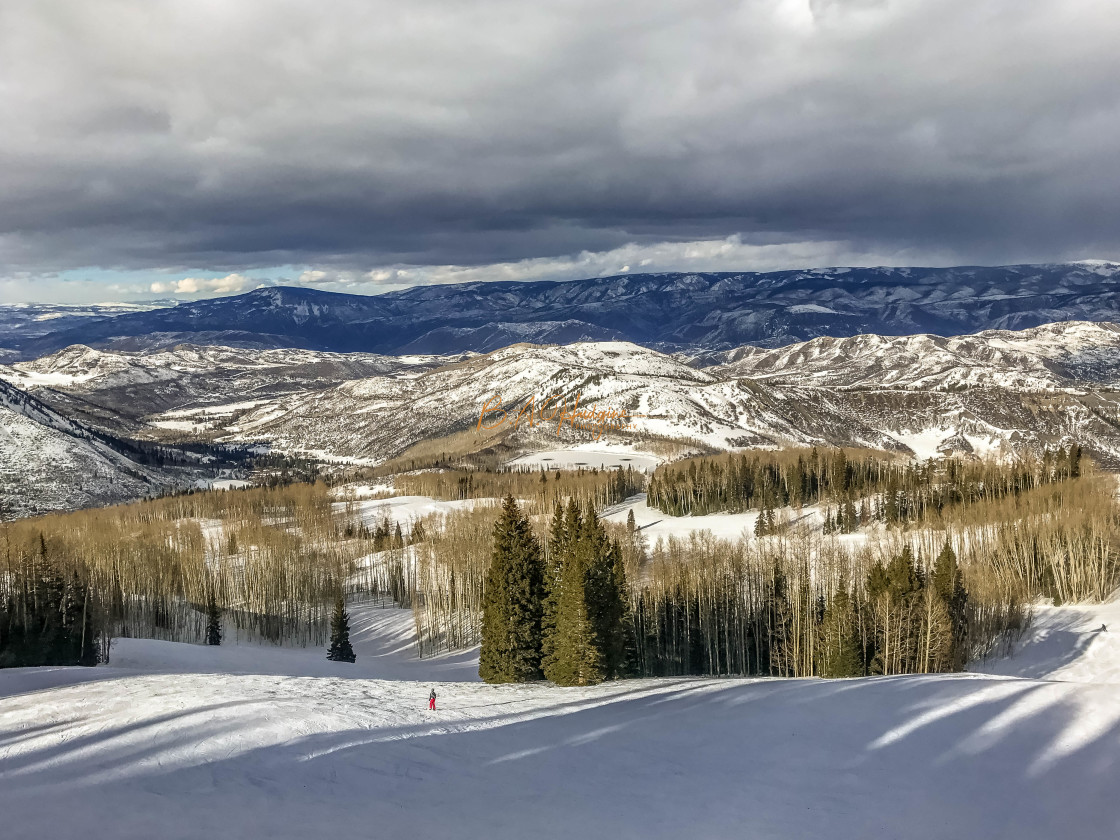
x=1051, y=357
x=987, y=394
x=993, y=393
x=51, y=462
x=116, y=389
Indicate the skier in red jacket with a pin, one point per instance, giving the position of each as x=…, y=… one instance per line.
x=432, y=700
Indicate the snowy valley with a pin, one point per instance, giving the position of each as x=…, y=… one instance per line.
x=1012, y=730
x=991, y=394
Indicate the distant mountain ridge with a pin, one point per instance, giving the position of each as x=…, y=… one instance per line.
x=669, y=312
x=67, y=419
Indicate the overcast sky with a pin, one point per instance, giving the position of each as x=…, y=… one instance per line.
x=183, y=149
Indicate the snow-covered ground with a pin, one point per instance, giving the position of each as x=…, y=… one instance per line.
x=653, y=524
x=404, y=510
x=1078, y=643
x=222, y=484
x=590, y=457
x=175, y=740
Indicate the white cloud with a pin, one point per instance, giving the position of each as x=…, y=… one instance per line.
x=198, y=285
x=726, y=254
x=433, y=134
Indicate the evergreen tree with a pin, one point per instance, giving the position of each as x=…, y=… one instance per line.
x=340, y=649
x=841, y=654
x=762, y=523
x=213, y=620
x=624, y=661
x=575, y=655
x=590, y=635
x=512, y=602
x=948, y=585
x=558, y=546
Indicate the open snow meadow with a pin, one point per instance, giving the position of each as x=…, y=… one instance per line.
x=176, y=740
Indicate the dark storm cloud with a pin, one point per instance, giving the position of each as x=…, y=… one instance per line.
x=348, y=135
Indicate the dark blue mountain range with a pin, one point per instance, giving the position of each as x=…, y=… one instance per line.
x=666, y=311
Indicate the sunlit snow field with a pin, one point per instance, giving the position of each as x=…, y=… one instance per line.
x=175, y=740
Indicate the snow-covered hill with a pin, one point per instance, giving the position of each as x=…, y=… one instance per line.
x=1043, y=387
x=99, y=386
x=183, y=741
x=1074, y=643
x=990, y=394
x=1050, y=357
x=50, y=462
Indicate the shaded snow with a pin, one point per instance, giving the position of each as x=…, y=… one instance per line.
x=181, y=741
x=1066, y=643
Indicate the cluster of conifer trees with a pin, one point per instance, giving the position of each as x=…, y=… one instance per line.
x=864, y=486
x=561, y=613
x=48, y=615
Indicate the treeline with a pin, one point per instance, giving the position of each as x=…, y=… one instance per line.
x=716, y=607
x=273, y=559
x=859, y=487
x=541, y=488
x=564, y=614
x=802, y=603
x=49, y=614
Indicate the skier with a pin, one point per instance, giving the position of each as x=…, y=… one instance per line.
x=432, y=700
x=1103, y=629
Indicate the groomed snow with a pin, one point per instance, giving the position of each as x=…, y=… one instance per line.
x=177, y=741
x=1066, y=643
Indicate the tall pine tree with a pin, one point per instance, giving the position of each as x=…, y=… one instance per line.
x=213, y=619
x=512, y=602
x=948, y=583
x=590, y=632
x=340, y=649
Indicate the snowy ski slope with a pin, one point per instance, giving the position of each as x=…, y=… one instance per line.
x=177, y=741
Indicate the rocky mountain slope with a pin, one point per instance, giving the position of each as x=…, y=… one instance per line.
x=115, y=389
x=696, y=312
x=51, y=462
x=994, y=393
x=1045, y=398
